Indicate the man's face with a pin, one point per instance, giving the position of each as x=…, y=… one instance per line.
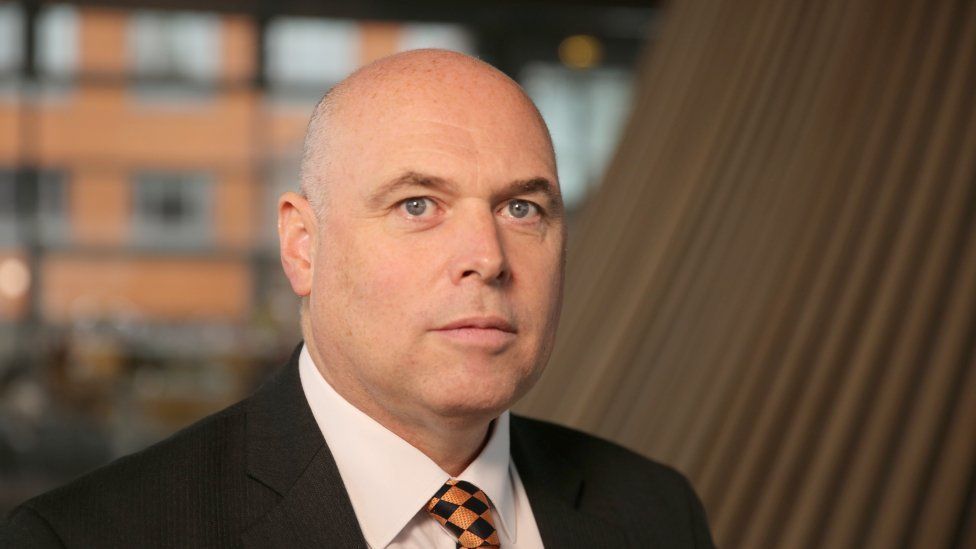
x=437, y=271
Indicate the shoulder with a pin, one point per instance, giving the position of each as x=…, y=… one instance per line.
x=620, y=485
x=179, y=459
x=597, y=456
x=188, y=472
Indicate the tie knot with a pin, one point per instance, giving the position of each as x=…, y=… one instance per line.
x=464, y=510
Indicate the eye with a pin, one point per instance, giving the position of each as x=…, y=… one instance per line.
x=522, y=209
x=418, y=206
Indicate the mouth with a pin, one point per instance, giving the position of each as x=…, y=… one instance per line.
x=491, y=332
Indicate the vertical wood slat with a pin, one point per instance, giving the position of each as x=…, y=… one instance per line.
x=825, y=484
x=694, y=156
x=680, y=288
x=789, y=423
x=775, y=287
x=797, y=270
x=933, y=251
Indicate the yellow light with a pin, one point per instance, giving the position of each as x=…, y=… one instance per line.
x=14, y=278
x=580, y=51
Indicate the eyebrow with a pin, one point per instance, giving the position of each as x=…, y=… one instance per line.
x=538, y=185
x=411, y=179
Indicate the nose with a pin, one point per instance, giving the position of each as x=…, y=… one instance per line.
x=479, y=252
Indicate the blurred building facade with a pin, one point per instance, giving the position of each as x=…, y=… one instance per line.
x=141, y=155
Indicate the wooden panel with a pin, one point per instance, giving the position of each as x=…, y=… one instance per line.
x=774, y=289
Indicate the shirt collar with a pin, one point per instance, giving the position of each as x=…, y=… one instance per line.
x=387, y=479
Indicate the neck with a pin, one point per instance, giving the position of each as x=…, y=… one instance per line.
x=450, y=442
x=452, y=448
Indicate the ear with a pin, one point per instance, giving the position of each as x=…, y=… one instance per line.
x=297, y=232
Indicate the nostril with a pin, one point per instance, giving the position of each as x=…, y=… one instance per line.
x=500, y=276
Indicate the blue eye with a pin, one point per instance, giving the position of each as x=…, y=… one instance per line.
x=520, y=209
x=415, y=207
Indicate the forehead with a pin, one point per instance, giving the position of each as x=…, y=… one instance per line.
x=483, y=136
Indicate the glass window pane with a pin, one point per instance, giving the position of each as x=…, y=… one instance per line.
x=172, y=209
x=174, y=55
x=434, y=35
x=177, y=45
x=57, y=41
x=8, y=205
x=52, y=206
x=311, y=53
x=585, y=111
x=9, y=229
x=11, y=37
x=8, y=180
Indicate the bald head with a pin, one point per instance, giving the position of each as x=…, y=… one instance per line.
x=408, y=88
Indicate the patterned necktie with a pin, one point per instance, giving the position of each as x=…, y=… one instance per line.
x=463, y=509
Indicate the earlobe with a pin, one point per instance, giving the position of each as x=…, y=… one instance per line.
x=296, y=236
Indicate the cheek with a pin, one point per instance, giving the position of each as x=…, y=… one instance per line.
x=539, y=272
x=539, y=295
x=377, y=283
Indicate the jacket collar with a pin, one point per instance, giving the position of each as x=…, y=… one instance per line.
x=286, y=453
x=556, y=490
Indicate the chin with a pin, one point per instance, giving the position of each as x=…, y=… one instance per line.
x=479, y=406
x=482, y=398
x=479, y=385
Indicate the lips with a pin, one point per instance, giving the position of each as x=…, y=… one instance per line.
x=481, y=322
x=492, y=333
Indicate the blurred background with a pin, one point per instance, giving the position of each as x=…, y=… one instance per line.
x=772, y=271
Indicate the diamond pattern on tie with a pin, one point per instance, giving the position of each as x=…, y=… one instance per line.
x=463, y=509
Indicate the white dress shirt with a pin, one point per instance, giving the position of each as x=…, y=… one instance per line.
x=389, y=482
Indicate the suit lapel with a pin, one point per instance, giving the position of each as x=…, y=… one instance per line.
x=287, y=454
x=555, y=489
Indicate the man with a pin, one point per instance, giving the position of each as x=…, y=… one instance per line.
x=428, y=249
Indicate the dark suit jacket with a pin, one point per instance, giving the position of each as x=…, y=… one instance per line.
x=259, y=474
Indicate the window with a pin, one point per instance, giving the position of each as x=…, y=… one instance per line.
x=57, y=41
x=175, y=55
x=306, y=56
x=8, y=205
x=11, y=48
x=11, y=38
x=51, y=215
x=585, y=111
x=172, y=209
x=435, y=35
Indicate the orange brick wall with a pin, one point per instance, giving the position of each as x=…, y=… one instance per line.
x=99, y=204
x=101, y=36
x=145, y=288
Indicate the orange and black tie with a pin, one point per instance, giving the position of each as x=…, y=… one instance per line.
x=464, y=510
